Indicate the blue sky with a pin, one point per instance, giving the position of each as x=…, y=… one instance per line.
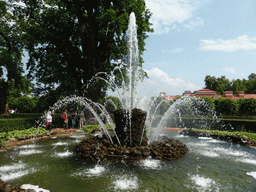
x=193, y=39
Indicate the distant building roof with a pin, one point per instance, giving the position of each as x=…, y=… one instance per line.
x=210, y=93
x=205, y=92
x=247, y=96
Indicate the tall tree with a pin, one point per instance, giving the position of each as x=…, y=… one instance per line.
x=251, y=84
x=11, y=50
x=220, y=84
x=70, y=41
x=237, y=85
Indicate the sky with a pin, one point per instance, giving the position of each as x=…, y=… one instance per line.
x=193, y=39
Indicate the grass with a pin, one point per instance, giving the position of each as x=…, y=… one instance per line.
x=247, y=135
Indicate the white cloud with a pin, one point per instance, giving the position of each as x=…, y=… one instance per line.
x=168, y=13
x=240, y=43
x=229, y=70
x=194, y=24
x=162, y=80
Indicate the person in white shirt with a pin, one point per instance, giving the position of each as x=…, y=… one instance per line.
x=49, y=120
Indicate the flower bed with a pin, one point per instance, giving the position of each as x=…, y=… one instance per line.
x=63, y=131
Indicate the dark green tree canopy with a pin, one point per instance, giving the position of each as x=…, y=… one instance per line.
x=11, y=50
x=222, y=84
x=10, y=45
x=70, y=41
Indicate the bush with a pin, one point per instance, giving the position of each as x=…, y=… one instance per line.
x=247, y=106
x=226, y=106
x=250, y=136
x=5, y=136
x=210, y=101
x=108, y=103
x=16, y=124
x=90, y=128
x=24, y=104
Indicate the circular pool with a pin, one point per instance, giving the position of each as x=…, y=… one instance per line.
x=209, y=165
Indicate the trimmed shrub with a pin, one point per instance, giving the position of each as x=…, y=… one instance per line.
x=211, y=101
x=16, y=124
x=226, y=106
x=247, y=106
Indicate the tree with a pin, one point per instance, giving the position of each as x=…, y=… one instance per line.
x=220, y=84
x=70, y=41
x=210, y=82
x=11, y=50
x=160, y=106
x=237, y=85
x=251, y=84
x=24, y=104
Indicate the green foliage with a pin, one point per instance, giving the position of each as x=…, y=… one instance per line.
x=238, y=117
x=237, y=85
x=24, y=104
x=47, y=100
x=160, y=105
x=226, y=106
x=250, y=136
x=251, y=84
x=210, y=101
x=5, y=136
x=24, y=115
x=108, y=103
x=70, y=41
x=11, y=51
x=16, y=124
x=220, y=84
x=247, y=106
x=90, y=128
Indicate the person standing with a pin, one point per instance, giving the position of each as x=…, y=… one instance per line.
x=73, y=118
x=6, y=108
x=82, y=119
x=65, y=119
x=49, y=120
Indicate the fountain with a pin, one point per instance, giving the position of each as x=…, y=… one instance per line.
x=55, y=166
x=128, y=140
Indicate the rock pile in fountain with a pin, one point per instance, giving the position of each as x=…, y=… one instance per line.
x=100, y=148
x=130, y=131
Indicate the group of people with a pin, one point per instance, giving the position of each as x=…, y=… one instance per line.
x=73, y=119
x=65, y=117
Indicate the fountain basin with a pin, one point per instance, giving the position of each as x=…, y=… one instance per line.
x=232, y=168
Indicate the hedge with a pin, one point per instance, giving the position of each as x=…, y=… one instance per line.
x=22, y=115
x=209, y=123
x=16, y=124
x=233, y=107
x=22, y=121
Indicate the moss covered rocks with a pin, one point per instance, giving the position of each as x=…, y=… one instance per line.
x=100, y=148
